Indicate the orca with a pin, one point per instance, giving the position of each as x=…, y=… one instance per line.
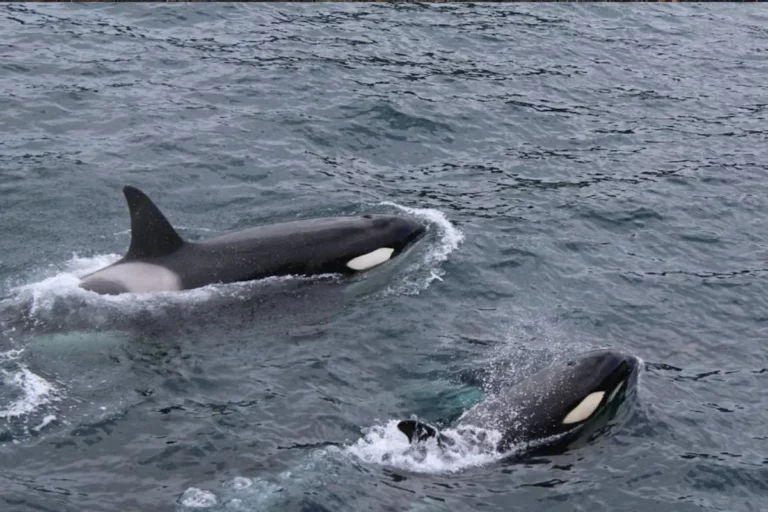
x=158, y=259
x=548, y=412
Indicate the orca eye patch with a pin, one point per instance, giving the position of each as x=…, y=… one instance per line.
x=585, y=409
x=371, y=259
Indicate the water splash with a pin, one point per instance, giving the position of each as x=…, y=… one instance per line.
x=59, y=297
x=24, y=395
x=386, y=445
x=30, y=390
x=449, y=239
x=22, y=392
x=66, y=284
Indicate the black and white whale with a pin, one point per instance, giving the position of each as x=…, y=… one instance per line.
x=159, y=260
x=548, y=412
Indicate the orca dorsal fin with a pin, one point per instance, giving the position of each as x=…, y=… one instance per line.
x=152, y=235
x=416, y=430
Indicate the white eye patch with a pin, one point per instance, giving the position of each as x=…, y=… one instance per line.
x=371, y=259
x=585, y=409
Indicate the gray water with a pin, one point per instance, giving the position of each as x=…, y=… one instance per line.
x=591, y=175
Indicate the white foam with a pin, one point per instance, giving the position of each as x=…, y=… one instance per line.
x=450, y=237
x=33, y=390
x=241, y=482
x=236, y=504
x=316, y=470
x=10, y=355
x=45, y=422
x=197, y=498
x=42, y=296
x=241, y=494
x=386, y=445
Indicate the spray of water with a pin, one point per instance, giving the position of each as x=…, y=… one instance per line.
x=449, y=237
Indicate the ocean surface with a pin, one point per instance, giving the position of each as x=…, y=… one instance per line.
x=590, y=175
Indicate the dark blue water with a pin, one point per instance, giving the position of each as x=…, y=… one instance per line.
x=592, y=176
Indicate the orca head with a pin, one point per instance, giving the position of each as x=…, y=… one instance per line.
x=564, y=404
x=594, y=382
x=395, y=231
x=381, y=238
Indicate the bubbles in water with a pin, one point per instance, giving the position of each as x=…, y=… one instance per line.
x=43, y=294
x=250, y=495
x=197, y=498
x=241, y=482
x=286, y=490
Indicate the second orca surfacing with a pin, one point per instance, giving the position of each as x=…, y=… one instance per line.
x=547, y=412
x=159, y=260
